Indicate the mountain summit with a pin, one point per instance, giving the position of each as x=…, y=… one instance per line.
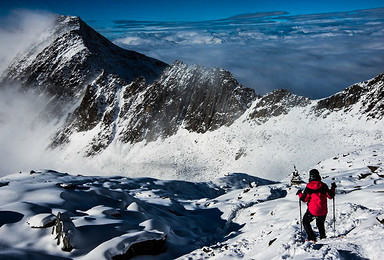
x=61, y=63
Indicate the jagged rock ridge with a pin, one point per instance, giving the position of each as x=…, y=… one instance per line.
x=193, y=97
x=368, y=95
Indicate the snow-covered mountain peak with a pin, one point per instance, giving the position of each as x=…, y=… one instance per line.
x=71, y=56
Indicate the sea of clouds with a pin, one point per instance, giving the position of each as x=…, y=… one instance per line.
x=311, y=55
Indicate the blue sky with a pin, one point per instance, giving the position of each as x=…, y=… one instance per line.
x=191, y=10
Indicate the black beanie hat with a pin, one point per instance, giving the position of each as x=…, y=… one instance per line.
x=314, y=175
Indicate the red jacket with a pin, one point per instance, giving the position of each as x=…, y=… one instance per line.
x=316, y=194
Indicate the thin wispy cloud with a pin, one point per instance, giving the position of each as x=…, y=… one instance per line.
x=18, y=30
x=23, y=133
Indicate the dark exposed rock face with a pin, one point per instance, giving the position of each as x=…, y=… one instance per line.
x=276, y=103
x=341, y=100
x=373, y=102
x=197, y=98
x=193, y=97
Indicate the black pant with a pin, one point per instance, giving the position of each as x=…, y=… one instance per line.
x=307, y=219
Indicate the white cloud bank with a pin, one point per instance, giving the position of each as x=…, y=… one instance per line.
x=24, y=135
x=314, y=55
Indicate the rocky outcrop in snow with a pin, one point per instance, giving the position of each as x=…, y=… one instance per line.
x=153, y=244
x=276, y=103
x=64, y=230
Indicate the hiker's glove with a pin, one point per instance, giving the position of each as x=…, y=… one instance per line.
x=298, y=192
x=333, y=185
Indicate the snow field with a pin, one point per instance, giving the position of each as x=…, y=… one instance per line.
x=236, y=216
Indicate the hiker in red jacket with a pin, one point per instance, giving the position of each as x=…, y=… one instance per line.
x=315, y=194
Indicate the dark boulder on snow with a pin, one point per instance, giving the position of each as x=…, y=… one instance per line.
x=4, y=183
x=147, y=247
x=72, y=186
x=373, y=168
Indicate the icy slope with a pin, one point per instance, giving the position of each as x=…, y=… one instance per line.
x=234, y=216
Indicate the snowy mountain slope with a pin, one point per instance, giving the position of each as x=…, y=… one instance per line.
x=292, y=131
x=230, y=217
x=95, y=85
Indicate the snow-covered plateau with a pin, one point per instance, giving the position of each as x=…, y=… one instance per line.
x=50, y=215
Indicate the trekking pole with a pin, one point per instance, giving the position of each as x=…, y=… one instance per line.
x=301, y=224
x=334, y=217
